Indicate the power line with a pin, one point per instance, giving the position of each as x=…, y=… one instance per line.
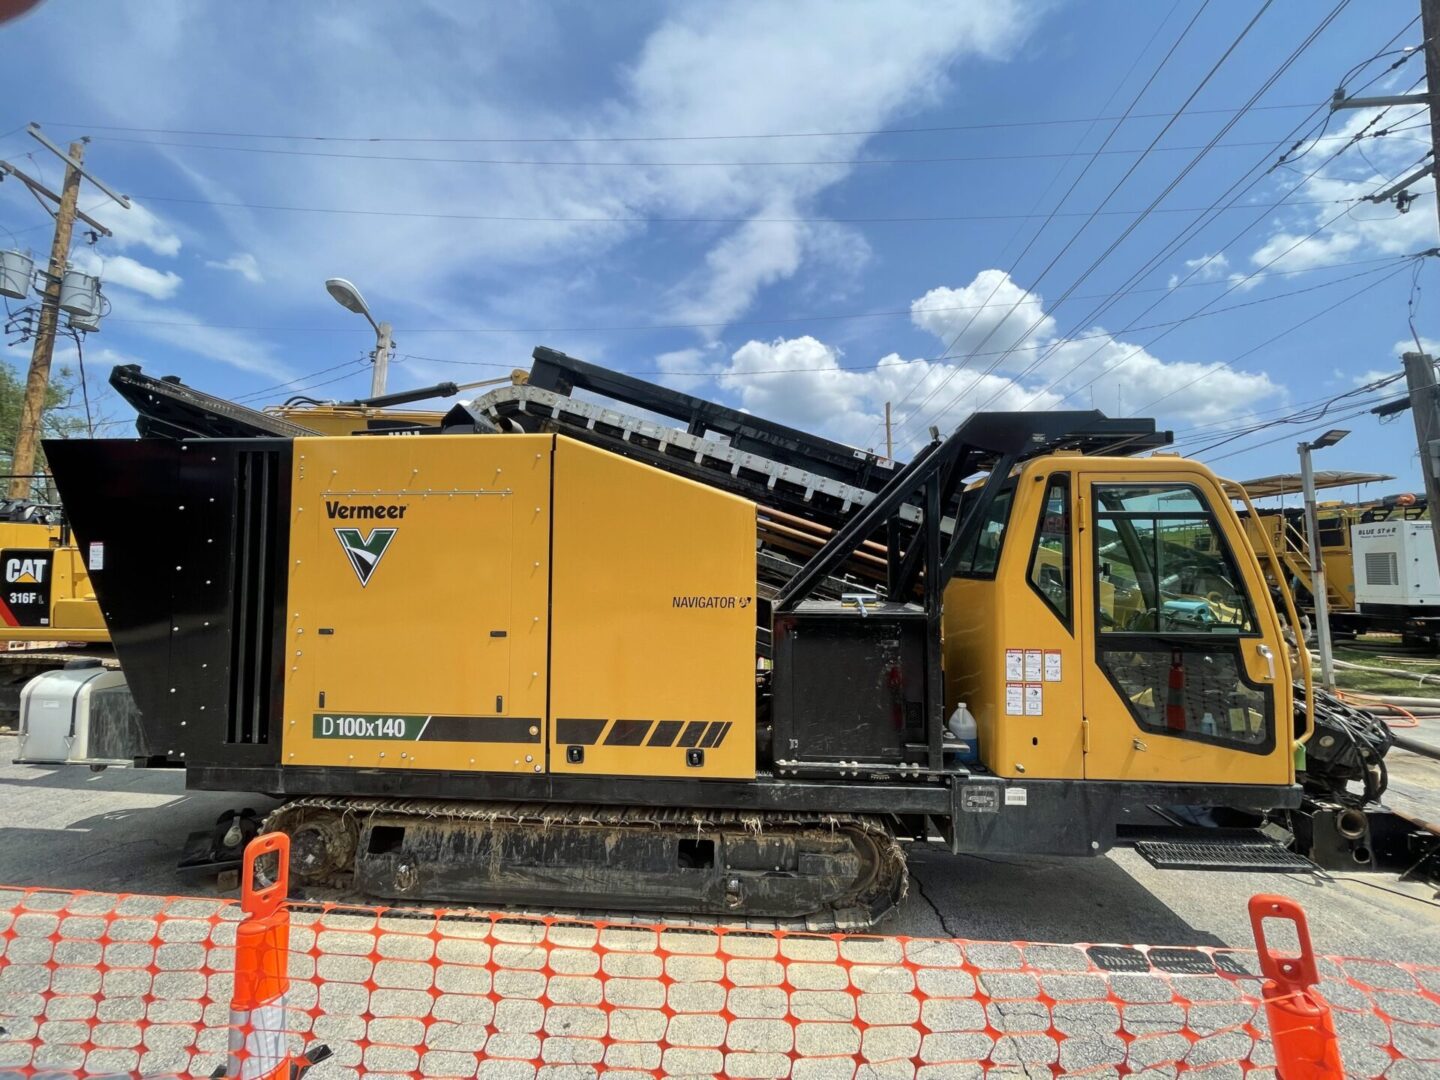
x=1271, y=340
x=254, y=394
x=1215, y=426
x=530, y=139
x=1218, y=254
x=1074, y=183
x=1390, y=270
x=606, y=219
x=779, y=320
x=1115, y=244
x=1201, y=312
x=1210, y=74
x=1326, y=422
x=1235, y=284
x=1314, y=411
x=1193, y=230
x=941, y=159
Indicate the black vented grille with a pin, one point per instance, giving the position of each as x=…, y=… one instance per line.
x=256, y=552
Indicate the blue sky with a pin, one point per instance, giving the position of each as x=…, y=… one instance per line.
x=751, y=269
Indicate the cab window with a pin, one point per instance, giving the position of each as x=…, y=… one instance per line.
x=1163, y=565
x=1172, y=609
x=982, y=548
x=1050, y=561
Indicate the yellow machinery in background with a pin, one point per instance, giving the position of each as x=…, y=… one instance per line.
x=46, y=594
x=551, y=649
x=48, y=612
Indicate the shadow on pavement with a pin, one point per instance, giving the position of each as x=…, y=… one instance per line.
x=1039, y=899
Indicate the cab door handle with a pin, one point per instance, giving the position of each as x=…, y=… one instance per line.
x=1268, y=655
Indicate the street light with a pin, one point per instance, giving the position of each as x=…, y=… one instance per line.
x=348, y=297
x=1318, y=589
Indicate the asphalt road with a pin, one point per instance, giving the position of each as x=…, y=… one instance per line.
x=122, y=830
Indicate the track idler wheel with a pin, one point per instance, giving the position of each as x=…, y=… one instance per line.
x=322, y=845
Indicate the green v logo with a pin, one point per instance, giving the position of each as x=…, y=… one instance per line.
x=365, y=555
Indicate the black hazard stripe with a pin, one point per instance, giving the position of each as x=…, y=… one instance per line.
x=715, y=733
x=662, y=733
x=627, y=732
x=578, y=732
x=491, y=729
x=665, y=732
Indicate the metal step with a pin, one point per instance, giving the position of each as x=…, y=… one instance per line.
x=1252, y=853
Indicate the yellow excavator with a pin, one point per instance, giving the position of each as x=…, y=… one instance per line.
x=48, y=612
x=592, y=636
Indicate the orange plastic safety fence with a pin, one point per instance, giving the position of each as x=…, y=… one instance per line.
x=142, y=985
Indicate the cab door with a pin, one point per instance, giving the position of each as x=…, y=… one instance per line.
x=1185, y=673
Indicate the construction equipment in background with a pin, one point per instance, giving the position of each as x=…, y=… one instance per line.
x=1380, y=569
x=49, y=616
x=553, y=649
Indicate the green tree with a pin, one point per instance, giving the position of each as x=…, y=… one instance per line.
x=63, y=418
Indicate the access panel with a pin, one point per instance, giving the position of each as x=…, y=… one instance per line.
x=653, y=644
x=418, y=586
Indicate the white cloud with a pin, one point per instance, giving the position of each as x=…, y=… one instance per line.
x=1407, y=344
x=139, y=227
x=813, y=385
x=1203, y=268
x=812, y=65
x=126, y=273
x=990, y=314
x=242, y=263
x=740, y=65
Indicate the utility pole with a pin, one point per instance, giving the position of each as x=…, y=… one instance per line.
x=22, y=463
x=1430, y=27
x=1425, y=407
x=889, y=436
x=37, y=381
x=1319, y=590
x=382, y=359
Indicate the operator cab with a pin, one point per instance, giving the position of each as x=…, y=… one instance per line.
x=1106, y=620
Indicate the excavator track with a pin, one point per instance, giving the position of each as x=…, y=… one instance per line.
x=845, y=869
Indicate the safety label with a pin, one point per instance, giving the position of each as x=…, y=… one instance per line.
x=97, y=555
x=1014, y=699
x=1034, y=660
x=1034, y=699
x=980, y=799
x=1014, y=664
x=1052, y=665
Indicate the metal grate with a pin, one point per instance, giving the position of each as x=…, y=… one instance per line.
x=1261, y=856
x=1381, y=568
x=253, y=576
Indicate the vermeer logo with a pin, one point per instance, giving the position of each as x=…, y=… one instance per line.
x=336, y=509
x=365, y=553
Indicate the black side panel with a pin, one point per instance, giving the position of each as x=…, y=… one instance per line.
x=195, y=539
x=119, y=495
x=850, y=686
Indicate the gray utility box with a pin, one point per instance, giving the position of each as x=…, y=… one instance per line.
x=79, y=716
